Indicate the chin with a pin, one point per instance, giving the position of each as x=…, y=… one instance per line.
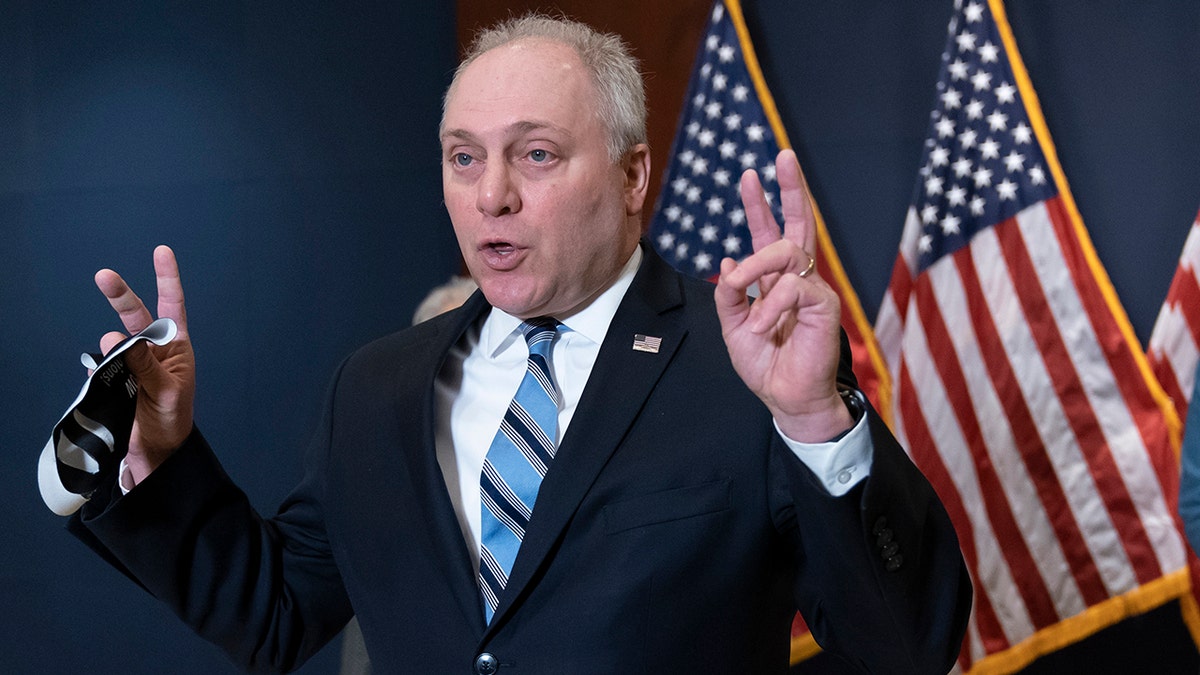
x=502, y=296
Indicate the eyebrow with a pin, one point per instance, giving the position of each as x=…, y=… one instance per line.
x=516, y=129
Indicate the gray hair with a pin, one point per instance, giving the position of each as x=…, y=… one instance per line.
x=621, y=93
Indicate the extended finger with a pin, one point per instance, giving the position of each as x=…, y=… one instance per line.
x=129, y=307
x=799, y=222
x=764, y=230
x=170, y=287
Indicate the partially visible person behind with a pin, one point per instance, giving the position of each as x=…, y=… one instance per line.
x=355, y=659
x=595, y=465
x=444, y=298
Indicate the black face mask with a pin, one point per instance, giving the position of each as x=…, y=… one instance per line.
x=87, y=445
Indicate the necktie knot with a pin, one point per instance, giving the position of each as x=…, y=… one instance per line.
x=539, y=331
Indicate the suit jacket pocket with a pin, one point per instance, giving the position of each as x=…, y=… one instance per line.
x=666, y=506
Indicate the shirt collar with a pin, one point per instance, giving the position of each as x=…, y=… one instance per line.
x=591, y=322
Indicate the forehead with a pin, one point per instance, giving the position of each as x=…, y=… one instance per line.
x=528, y=80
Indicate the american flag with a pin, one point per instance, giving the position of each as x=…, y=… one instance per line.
x=723, y=131
x=729, y=124
x=1019, y=388
x=1174, y=354
x=1174, y=349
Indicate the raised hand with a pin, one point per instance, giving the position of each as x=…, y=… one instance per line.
x=166, y=375
x=785, y=345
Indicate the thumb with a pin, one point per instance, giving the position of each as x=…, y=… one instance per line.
x=732, y=303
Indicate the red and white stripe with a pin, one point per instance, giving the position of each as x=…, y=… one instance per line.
x=1018, y=396
x=1174, y=349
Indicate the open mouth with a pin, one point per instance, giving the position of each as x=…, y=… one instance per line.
x=501, y=255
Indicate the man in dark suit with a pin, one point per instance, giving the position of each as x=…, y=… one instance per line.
x=711, y=466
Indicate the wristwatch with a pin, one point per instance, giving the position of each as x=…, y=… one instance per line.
x=853, y=403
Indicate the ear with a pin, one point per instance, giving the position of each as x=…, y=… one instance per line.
x=637, y=178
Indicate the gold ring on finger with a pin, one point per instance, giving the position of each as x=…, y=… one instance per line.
x=812, y=265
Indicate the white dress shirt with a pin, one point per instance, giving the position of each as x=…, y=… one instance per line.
x=482, y=373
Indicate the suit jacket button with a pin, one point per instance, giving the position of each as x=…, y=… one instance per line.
x=486, y=664
x=893, y=563
x=889, y=550
x=881, y=524
x=884, y=537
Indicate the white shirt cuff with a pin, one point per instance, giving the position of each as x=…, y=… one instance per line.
x=840, y=464
x=124, y=478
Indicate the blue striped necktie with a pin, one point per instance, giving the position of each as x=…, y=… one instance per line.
x=516, y=462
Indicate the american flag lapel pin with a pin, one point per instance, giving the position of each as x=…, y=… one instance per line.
x=646, y=343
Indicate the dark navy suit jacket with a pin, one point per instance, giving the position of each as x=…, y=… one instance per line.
x=674, y=533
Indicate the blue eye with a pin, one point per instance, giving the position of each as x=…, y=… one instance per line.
x=539, y=156
x=463, y=159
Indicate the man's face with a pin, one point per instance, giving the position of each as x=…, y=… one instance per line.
x=544, y=218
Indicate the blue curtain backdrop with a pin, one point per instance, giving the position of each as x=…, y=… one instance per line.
x=288, y=152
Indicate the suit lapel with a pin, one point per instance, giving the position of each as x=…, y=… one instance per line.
x=445, y=535
x=617, y=388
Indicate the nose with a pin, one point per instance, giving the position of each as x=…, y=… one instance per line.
x=498, y=193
